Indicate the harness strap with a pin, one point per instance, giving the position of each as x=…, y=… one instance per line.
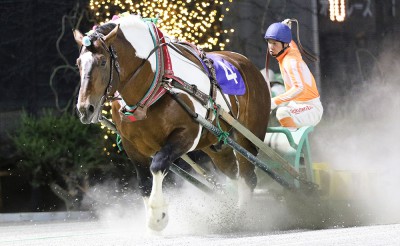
x=202, y=97
x=163, y=59
x=164, y=78
x=200, y=55
x=166, y=58
x=214, y=84
x=113, y=65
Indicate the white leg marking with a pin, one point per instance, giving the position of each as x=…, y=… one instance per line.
x=244, y=193
x=157, y=208
x=146, y=202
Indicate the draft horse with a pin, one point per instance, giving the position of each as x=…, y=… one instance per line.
x=121, y=61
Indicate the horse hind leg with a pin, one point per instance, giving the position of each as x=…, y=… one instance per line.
x=226, y=161
x=238, y=169
x=247, y=179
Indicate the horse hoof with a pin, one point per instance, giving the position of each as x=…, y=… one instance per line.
x=157, y=219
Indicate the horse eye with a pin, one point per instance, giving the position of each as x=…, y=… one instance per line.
x=103, y=62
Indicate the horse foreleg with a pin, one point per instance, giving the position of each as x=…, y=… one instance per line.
x=156, y=206
x=157, y=211
x=144, y=176
x=151, y=191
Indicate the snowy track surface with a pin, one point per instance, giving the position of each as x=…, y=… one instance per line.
x=99, y=233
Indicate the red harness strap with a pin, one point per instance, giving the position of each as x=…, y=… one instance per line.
x=165, y=69
x=167, y=58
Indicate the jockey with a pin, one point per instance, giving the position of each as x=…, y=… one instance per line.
x=300, y=105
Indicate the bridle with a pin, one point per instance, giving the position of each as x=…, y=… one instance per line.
x=114, y=65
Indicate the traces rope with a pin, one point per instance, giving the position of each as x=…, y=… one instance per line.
x=224, y=134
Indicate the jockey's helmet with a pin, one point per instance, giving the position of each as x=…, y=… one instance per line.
x=279, y=32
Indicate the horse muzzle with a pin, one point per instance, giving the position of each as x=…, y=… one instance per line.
x=89, y=113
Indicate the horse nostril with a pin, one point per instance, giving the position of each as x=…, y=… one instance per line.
x=91, y=108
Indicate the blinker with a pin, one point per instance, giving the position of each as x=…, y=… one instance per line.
x=86, y=41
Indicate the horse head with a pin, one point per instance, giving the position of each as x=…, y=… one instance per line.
x=96, y=70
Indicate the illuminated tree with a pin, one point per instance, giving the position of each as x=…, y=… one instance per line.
x=198, y=22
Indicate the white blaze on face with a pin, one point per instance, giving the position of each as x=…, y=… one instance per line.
x=136, y=31
x=86, y=61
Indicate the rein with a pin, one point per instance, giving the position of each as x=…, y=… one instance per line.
x=306, y=53
x=113, y=65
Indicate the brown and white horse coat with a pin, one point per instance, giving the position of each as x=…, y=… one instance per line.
x=168, y=131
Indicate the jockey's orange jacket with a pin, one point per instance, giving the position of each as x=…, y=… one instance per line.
x=299, y=82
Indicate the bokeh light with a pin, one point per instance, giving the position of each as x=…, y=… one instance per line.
x=198, y=22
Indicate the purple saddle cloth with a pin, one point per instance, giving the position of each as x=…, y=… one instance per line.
x=228, y=77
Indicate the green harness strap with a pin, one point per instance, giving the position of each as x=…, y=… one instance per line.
x=119, y=142
x=224, y=135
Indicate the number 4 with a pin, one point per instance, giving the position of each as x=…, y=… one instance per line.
x=230, y=75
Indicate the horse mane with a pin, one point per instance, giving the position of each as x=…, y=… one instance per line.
x=99, y=32
x=109, y=26
x=106, y=28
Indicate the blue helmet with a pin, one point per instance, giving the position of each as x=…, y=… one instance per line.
x=280, y=32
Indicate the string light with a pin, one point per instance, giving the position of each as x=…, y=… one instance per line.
x=198, y=22
x=337, y=10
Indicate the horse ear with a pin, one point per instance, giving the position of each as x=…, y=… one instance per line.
x=78, y=37
x=109, y=38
